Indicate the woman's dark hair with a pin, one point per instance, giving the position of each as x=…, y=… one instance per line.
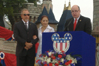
x=44, y=16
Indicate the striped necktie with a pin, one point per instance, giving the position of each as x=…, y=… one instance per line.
x=26, y=25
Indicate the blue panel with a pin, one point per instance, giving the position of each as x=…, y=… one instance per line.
x=81, y=44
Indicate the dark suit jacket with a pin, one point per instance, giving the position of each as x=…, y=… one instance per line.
x=23, y=35
x=83, y=24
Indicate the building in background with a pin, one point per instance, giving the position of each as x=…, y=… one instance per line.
x=52, y=21
x=47, y=4
x=66, y=15
x=1, y=22
x=37, y=11
x=95, y=31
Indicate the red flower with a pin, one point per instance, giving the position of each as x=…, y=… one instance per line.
x=43, y=55
x=60, y=56
x=66, y=63
x=56, y=64
x=50, y=64
x=69, y=62
x=58, y=61
x=37, y=61
x=53, y=57
x=62, y=51
x=40, y=55
x=52, y=54
x=64, y=54
x=47, y=51
x=45, y=64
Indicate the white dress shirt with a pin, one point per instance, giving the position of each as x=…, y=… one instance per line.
x=77, y=19
x=48, y=29
x=26, y=23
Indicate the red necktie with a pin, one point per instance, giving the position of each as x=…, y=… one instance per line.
x=75, y=24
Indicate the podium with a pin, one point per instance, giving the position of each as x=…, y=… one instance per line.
x=81, y=44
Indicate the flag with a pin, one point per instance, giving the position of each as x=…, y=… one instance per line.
x=5, y=33
x=7, y=59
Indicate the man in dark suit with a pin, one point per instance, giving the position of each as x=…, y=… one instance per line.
x=23, y=33
x=78, y=22
x=0, y=64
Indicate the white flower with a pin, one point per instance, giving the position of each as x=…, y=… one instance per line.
x=60, y=65
x=51, y=59
x=42, y=59
x=49, y=53
x=68, y=57
x=69, y=65
x=54, y=61
x=74, y=60
x=62, y=60
x=48, y=60
x=45, y=58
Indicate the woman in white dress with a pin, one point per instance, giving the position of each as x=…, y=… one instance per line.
x=44, y=28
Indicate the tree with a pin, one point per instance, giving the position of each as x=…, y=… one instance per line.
x=33, y=1
x=7, y=6
x=10, y=6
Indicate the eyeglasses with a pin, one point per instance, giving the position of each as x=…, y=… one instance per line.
x=26, y=14
x=74, y=11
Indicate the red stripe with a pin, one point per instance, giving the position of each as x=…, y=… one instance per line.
x=56, y=44
x=61, y=46
x=65, y=44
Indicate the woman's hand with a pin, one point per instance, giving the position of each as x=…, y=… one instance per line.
x=34, y=37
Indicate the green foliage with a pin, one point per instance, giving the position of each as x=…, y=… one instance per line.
x=10, y=6
x=33, y=1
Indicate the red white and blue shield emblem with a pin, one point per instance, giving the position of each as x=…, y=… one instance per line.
x=61, y=44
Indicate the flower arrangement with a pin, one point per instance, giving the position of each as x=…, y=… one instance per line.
x=51, y=58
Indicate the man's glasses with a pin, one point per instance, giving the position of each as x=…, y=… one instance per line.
x=26, y=14
x=74, y=11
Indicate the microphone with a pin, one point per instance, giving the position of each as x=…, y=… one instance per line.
x=67, y=28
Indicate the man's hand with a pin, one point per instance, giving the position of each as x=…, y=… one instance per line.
x=26, y=48
x=28, y=45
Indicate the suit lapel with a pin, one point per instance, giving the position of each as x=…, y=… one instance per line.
x=22, y=24
x=78, y=23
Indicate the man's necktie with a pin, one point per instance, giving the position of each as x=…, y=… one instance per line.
x=26, y=25
x=75, y=24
